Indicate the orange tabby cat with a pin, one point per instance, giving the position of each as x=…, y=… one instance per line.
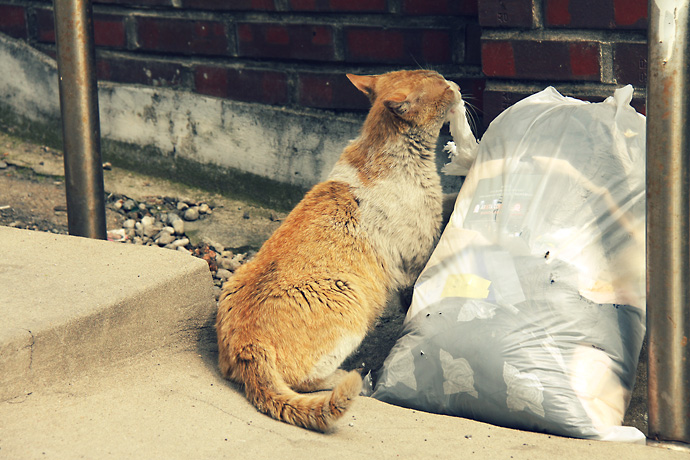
x=287, y=319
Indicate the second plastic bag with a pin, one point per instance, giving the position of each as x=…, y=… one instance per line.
x=531, y=311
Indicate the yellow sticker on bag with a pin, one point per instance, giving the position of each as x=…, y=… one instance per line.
x=466, y=285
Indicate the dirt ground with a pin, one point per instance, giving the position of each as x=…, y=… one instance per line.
x=32, y=196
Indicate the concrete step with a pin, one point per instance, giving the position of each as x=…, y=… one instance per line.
x=69, y=304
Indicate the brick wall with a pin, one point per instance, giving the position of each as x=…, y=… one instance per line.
x=294, y=53
x=585, y=48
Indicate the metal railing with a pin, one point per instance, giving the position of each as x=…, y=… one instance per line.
x=668, y=223
x=80, y=123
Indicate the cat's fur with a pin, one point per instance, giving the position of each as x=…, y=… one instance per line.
x=287, y=319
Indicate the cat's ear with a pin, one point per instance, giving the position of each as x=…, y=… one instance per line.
x=364, y=83
x=397, y=104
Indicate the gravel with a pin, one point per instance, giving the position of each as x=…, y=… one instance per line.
x=160, y=221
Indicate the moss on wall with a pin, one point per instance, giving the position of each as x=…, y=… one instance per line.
x=226, y=181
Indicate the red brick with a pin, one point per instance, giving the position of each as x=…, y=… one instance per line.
x=235, y=5
x=557, y=12
x=585, y=60
x=506, y=13
x=145, y=72
x=45, y=25
x=212, y=81
x=362, y=6
x=597, y=14
x=542, y=60
x=137, y=2
x=398, y=46
x=266, y=87
x=588, y=14
x=496, y=102
x=436, y=46
x=375, y=45
x=181, y=36
x=630, y=63
x=498, y=59
x=330, y=91
x=631, y=13
x=109, y=30
x=473, y=46
x=303, y=42
x=13, y=21
x=277, y=35
x=440, y=7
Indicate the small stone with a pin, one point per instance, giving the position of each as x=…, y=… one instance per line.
x=217, y=247
x=181, y=206
x=183, y=249
x=147, y=220
x=223, y=274
x=172, y=217
x=204, y=208
x=3, y=164
x=229, y=264
x=107, y=166
x=178, y=226
x=142, y=206
x=151, y=230
x=165, y=238
x=181, y=242
x=216, y=292
x=191, y=213
x=246, y=215
x=118, y=205
x=139, y=229
x=129, y=223
x=128, y=205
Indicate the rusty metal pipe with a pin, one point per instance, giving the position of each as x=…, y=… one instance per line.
x=668, y=223
x=80, y=122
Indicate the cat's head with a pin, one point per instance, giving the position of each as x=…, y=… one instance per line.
x=416, y=97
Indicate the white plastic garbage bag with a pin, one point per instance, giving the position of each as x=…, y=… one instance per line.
x=531, y=311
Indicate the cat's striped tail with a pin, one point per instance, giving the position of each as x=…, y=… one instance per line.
x=267, y=390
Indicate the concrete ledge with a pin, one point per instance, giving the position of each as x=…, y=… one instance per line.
x=141, y=124
x=68, y=304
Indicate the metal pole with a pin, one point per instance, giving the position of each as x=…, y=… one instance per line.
x=668, y=223
x=80, y=123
